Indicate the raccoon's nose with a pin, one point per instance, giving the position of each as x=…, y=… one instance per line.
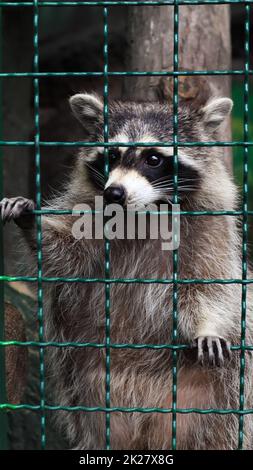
x=115, y=194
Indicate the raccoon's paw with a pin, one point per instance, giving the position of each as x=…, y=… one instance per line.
x=15, y=207
x=212, y=350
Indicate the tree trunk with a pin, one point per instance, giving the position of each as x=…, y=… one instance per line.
x=204, y=44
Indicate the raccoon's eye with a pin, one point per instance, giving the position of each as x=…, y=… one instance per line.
x=154, y=160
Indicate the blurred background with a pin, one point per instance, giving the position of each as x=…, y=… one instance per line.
x=70, y=39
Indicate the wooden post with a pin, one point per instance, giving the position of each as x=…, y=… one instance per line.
x=204, y=44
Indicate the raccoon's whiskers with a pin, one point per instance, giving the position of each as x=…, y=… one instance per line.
x=171, y=188
x=168, y=182
x=167, y=177
x=97, y=174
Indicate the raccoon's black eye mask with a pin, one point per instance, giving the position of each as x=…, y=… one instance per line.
x=97, y=167
x=152, y=164
x=159, y=171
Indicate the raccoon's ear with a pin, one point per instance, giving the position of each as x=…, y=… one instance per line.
x=88, y=109
x=215, y=111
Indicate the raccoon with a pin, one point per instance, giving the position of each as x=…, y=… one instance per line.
x=209, y=315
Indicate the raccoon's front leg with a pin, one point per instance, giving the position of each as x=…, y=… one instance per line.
x=18, y=209
x=212, y=335
x=212, y=350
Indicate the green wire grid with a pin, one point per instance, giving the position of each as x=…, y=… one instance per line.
x=175, y=252
x=38, y=221
x=107, y=242
x=172, y=348
x=111, y=345
x=129, y=3
x=124, y=74
x=19, y=143
x=245, y=220
x=122, y=409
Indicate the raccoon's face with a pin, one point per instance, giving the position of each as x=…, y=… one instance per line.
x=139, y=176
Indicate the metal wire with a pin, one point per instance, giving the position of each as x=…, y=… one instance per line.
x=39, y=279
x=7, y=406
x=19, y=143
x=38, y=221
x=107, y=242
x=126, y=281
x=125, y=2
x=245, y=222
x=124, y=74
x=54, y=344
x=175, y=252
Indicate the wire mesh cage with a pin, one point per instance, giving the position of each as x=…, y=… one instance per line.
x=42, y=407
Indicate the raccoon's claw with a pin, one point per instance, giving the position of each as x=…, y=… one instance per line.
x=15, y=207
x=212, y=350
